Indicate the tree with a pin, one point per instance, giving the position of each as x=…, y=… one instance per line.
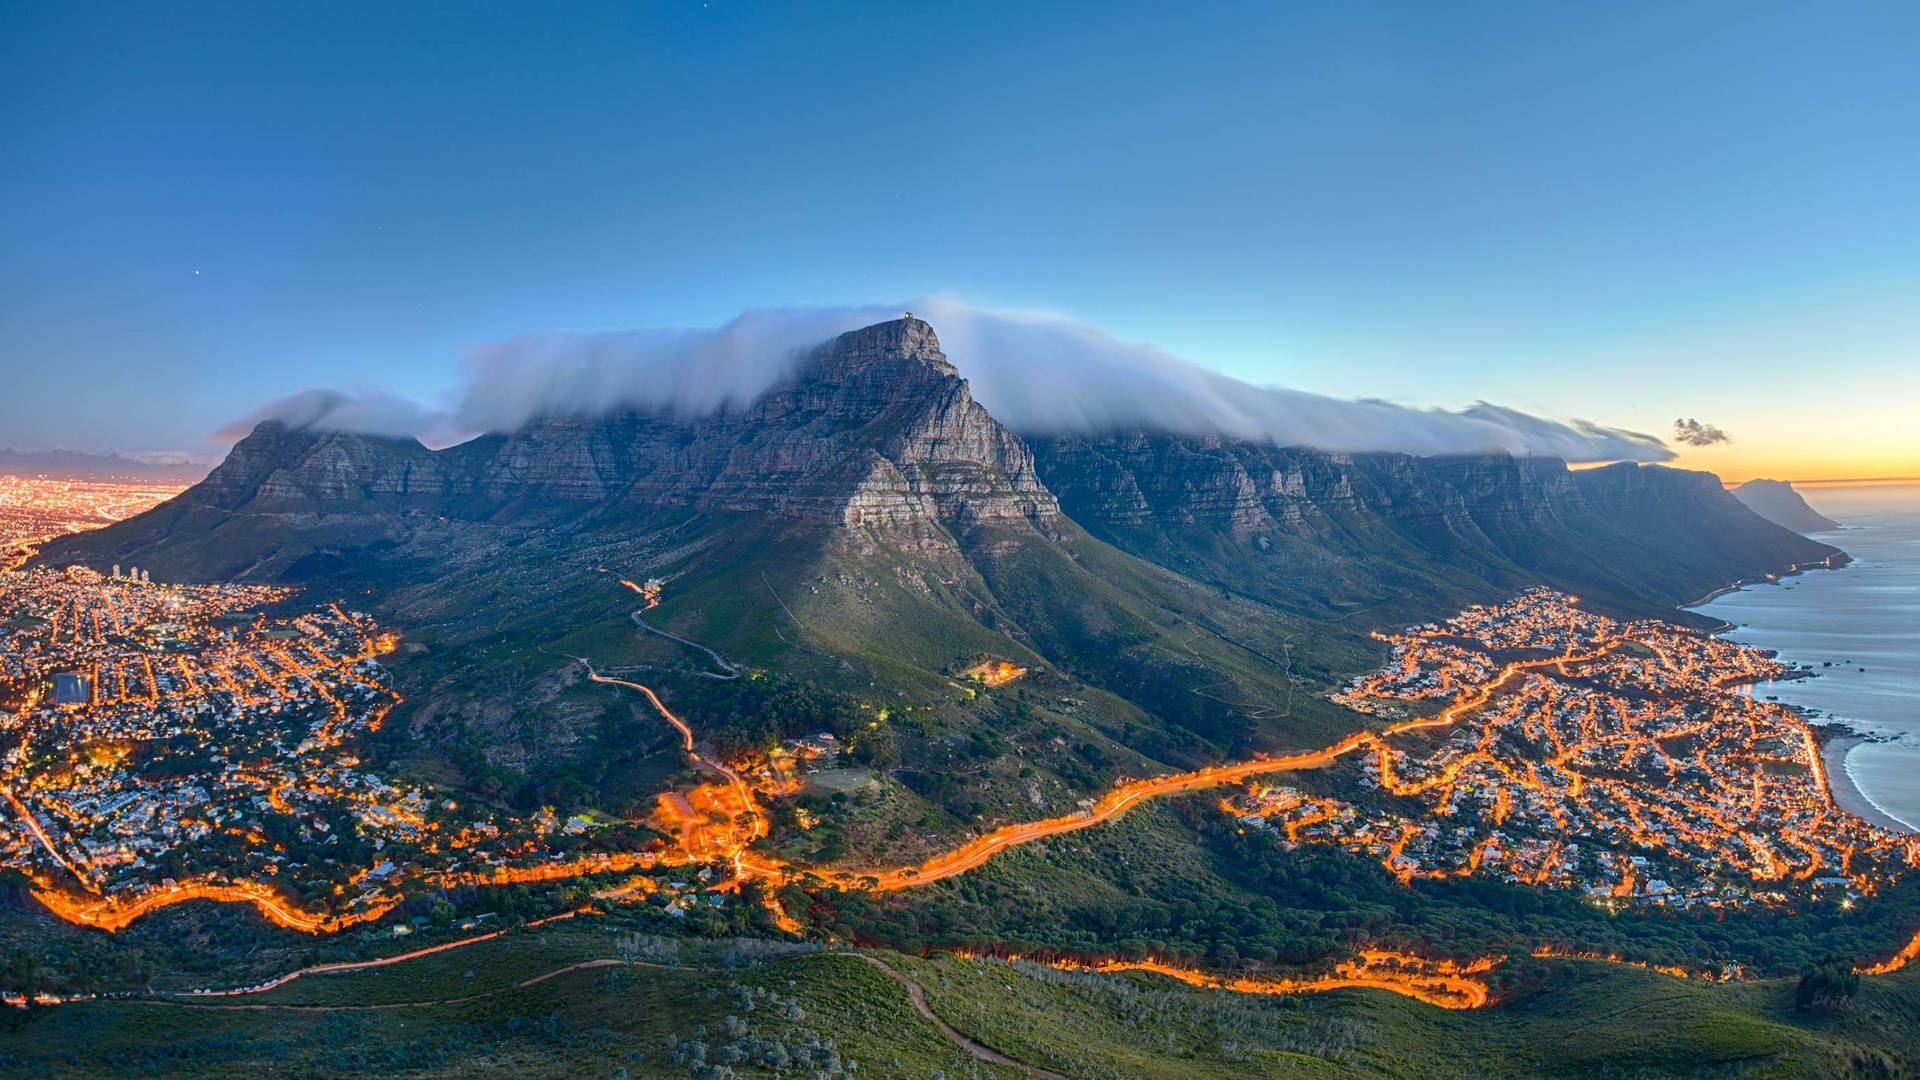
x=1827, y=986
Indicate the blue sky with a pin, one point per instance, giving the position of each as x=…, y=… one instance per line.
x=1614, y=211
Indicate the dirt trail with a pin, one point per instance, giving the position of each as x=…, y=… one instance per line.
x=915, y=994
x=984, y=1053
x=198, y=1002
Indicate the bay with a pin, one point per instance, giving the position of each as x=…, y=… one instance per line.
x=1859, y=628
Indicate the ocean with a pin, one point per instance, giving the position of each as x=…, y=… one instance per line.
x=1859, y=627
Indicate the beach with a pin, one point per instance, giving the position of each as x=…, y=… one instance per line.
x=1847, y=796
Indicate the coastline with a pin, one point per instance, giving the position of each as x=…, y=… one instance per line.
x=1833, y=749
x=1836, y=561
x=1846, y=794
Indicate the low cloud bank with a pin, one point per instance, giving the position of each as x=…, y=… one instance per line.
x=1041, y=375
x=385, y=415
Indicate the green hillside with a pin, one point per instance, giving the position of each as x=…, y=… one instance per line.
x=641, y=1005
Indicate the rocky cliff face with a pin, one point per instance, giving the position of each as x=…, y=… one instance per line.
x=876, y=429
x=1138, y=479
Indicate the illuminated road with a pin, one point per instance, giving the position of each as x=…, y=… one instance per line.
x=742, y=791
x=1907, y=955
x=363, y=965
x=33, y=826
x=115, y=913
x=1123, y=798
x=1110, y=807
x=343, y=968
x=733, y=778
x=1442, y=983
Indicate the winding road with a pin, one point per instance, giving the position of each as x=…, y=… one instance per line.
x=738, y=783
x=258, y=1006
x=731, y=669
x=1110, y=806
x=1123, y=798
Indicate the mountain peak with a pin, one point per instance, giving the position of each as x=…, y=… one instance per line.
x=1776, y=501
x=874, y=430
x=906, y=342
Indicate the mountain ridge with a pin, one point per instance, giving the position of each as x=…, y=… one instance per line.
x=1461, y=527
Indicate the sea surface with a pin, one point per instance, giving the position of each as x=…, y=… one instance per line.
x=1859, y=627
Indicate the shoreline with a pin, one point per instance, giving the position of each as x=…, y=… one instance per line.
x=1847, y=794
x=1837, y=561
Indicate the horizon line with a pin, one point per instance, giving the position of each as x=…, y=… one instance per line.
x=1857, y=481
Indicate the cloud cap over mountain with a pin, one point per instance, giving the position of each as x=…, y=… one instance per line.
x=1039, y=374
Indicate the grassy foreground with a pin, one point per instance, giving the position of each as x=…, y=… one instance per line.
x=659, y=1007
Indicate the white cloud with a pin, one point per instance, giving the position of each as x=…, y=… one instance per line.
x=1039, y=374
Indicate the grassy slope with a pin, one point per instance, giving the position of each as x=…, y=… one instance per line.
x=1585, y=1019
x=1593, y=1019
